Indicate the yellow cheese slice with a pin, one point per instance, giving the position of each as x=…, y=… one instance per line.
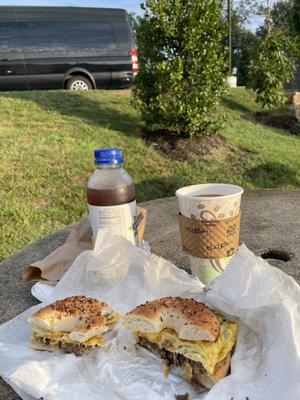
x=56, y=337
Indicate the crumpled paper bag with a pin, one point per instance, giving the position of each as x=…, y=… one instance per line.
x=51, y=268
x=265, y=365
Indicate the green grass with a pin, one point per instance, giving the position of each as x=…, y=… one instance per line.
x=47, y=141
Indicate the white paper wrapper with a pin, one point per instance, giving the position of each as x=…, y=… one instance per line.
x=42, y=291
x=265, y=366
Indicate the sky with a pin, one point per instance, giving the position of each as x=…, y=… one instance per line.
x=129, y=5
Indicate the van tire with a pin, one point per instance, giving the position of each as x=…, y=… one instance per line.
x=79, y=82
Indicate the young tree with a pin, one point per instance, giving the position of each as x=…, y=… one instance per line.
x=281, y=15
x=273, y=67
x=183, y=65
x=285, y=15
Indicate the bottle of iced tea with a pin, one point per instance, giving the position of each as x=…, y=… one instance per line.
x=111, y=195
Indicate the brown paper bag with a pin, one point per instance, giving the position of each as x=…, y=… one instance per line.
x=51, y=268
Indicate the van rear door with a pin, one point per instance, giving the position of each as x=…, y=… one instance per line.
x=12, y=66
x=121, y=66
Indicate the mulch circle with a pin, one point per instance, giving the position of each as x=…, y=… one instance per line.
x=186, y=149
x=286, y=122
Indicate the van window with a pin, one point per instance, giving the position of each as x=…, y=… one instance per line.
x=9, y=40
x=92, y=37
x=66, y=39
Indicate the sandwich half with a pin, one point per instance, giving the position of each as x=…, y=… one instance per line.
x=186, y=334
x=73, y=325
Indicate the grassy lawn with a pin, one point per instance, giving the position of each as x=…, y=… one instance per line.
x=47, y=141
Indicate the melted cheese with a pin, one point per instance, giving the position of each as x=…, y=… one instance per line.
x=94, y=341
x=56, y=337
x=111, y=319
x=208, y=353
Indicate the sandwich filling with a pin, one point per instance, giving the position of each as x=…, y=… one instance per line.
x=74, y=324
x=63, y=341
x=191, y=368
x=197, y=358
x=209, y=354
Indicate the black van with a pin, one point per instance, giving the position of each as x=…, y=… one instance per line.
x=66, y=47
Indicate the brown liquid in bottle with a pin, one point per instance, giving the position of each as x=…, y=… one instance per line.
x=111, y=197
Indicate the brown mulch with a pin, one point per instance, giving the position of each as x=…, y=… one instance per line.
x=286, y=122
x=185, y=149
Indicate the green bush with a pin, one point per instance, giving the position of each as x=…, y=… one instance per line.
x=272, y=67
x=183, y=65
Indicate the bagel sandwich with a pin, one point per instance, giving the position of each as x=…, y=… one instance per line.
x=73, y=325
x=186, y=334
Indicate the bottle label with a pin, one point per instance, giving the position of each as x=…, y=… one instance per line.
x=119, y=220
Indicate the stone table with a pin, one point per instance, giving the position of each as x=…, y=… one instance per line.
x=270, y=227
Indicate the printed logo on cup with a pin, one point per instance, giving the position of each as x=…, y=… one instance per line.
x=209, y=239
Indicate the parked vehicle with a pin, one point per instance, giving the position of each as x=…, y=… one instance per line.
x=66, y=47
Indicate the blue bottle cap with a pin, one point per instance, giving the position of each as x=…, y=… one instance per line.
x=108, y=156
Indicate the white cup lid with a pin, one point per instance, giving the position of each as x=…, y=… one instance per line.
x=223, y=189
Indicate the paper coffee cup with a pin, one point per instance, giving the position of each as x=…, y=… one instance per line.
x=217, y=206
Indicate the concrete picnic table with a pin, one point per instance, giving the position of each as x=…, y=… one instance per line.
x=270, y=227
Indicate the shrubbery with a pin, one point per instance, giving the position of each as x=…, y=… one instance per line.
x=273, y=67
x=183, y=65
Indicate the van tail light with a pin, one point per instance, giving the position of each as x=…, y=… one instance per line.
x=135, y=62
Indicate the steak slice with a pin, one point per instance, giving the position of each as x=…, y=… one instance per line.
x=77, y=349
x=178, y=360
x=182, y=396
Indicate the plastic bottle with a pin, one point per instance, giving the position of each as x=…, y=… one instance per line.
x=111, y=196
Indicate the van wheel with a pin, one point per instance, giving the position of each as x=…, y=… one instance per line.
x=79, y=83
